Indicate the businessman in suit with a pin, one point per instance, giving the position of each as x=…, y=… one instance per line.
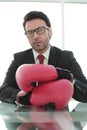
x=38, y=31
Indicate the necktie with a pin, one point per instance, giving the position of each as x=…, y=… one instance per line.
x=41, y=59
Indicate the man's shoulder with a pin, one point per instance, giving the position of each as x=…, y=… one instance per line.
x=24, y=52
x=62, y=51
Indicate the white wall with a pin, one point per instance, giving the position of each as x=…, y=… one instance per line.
x=76, y=32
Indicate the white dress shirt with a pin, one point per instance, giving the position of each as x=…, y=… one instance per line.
x=45, y=54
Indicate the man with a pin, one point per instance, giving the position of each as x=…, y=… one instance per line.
x=38, y=30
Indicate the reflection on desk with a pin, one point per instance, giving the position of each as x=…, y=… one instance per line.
x=38, y=118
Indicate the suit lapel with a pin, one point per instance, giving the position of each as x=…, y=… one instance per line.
x=54, y=57
x=29, y=57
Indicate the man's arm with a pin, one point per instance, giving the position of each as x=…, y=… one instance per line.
x=9, y=88
x=8, y=94
x=80, y=81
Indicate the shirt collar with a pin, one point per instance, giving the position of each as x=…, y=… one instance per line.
x=45, y=54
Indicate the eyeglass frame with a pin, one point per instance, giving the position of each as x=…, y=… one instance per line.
x=36, y=30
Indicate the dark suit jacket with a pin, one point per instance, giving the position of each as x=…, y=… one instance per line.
x=58, y=58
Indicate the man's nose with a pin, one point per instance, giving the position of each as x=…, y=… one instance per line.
x=35, y=35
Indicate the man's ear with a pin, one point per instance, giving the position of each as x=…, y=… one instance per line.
x=50, y=33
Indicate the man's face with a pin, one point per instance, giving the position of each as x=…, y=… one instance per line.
x=40, y=37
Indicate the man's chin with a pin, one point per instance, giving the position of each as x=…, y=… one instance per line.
x=38, y=49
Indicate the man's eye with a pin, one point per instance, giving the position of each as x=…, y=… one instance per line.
x=40, y=29
x=30, y=32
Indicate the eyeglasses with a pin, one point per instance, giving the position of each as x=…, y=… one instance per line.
x=39, y=31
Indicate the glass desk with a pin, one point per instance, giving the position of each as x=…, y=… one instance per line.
x=37, y=118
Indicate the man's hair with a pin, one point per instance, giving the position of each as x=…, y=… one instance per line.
x=34, y=15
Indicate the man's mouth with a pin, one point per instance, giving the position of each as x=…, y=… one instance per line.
x=37, y=43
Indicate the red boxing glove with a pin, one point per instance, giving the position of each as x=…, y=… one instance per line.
x=58, y=92
x=26, y=74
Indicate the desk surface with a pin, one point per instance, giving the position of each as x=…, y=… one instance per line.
x=36, y=118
